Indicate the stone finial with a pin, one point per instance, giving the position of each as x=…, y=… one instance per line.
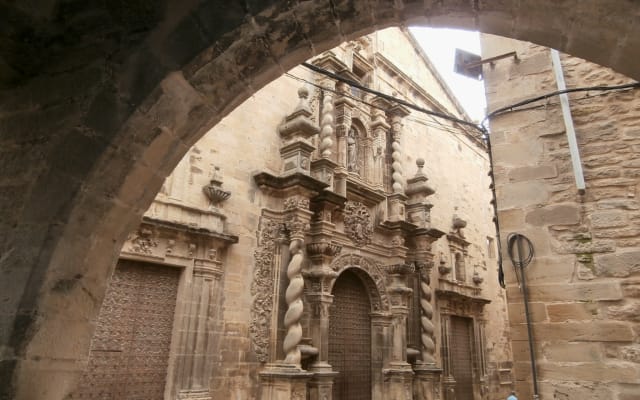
x=420, y=165
x=303, y=104
x=477, y=279
x=457, y=225
x=298, y=124
x=418, y=184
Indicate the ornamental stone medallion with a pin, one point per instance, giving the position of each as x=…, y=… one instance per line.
x=357, y=223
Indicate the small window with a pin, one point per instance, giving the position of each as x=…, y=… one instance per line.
x=460, y=268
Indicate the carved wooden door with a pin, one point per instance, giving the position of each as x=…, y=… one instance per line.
x=461, y=357
x=350, y=338
x=130, y=346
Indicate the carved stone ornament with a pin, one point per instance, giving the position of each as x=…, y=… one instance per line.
x=262, y=286
x=357, y=223
x=296, y=202
x=142, y=241
x=456, y=226
x=215, y=194
x=296, y=226
x=376, y=285
x=214, y=191
x=443, y=268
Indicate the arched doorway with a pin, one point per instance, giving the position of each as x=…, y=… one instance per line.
x=350, y=338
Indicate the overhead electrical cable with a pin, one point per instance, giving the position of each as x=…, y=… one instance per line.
x=600, y=88
x=388, y=97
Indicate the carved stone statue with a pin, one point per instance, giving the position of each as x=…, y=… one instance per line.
x=352, y=151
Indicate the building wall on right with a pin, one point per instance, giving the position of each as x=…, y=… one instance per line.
x=584, y=280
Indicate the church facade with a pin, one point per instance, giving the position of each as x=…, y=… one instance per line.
x=321, y=242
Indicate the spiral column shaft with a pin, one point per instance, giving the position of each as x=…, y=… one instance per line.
x=326, y=126
x=293, y=297
x=427, y=329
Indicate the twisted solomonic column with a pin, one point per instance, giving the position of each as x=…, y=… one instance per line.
x=326, y=126
x=427, y=328
x=397, y=167
x=293, y=295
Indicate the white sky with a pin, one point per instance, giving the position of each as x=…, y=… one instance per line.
x=440, y=45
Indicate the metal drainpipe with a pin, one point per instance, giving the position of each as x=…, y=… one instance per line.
x=568, y=122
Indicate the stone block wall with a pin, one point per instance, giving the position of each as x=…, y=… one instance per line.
x=584, y=279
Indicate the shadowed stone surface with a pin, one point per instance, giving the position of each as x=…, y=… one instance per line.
x=99, y=101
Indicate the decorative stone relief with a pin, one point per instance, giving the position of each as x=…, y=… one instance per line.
x=296, y=202
x=170, y=246
x=214, y=191
x=374, y=270
x=357, y=223
x=262, y=286
x=142, y=241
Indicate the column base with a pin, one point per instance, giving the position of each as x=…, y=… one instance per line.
x=449, y=388
x=426, y=384
x=399, y=382
x=321, y=384
x=284, y=382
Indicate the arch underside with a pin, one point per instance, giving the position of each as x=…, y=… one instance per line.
x=91, y=127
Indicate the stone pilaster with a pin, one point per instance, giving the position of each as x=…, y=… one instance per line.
x=319, y=276
x=343, y=111
x=448, y=381
x=379, y=129
x=399, y=373
x=195, y=358
x=381, y=323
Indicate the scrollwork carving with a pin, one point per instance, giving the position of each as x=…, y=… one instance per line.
x=357, y=223
x=379, y=297
x=296, y=202
x=262, y=286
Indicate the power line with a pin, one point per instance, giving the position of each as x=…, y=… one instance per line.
x=388, y=97
x=480, y=127
x=600, y=88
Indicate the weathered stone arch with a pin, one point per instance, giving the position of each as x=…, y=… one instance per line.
x=90, y=128
x=369, y=273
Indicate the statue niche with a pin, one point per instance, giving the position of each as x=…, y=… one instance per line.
x=359, y=155
x=352, y=151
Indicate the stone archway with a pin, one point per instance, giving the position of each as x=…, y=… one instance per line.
x=91, y=127
x=350, y=338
